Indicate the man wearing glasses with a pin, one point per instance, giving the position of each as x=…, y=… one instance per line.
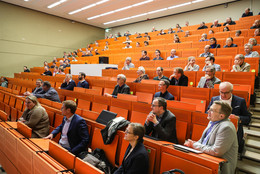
x=161, y=122
x=239, y=109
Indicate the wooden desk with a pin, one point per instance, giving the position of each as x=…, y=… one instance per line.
x=41, y=143
x=12, y=124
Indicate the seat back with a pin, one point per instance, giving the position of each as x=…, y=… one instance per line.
x=3, y=116
x=181, y=131
x=128, y=97
x=82, y=167
x=144, y=97
x=24, y=130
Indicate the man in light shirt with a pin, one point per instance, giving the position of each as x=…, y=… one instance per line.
x=173, y=55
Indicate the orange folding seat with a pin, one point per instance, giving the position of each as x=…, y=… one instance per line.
x=190, y=52
x=185, y=45
x=227, y=51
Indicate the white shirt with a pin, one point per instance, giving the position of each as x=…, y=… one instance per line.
x=227, y=101
x=64, y=138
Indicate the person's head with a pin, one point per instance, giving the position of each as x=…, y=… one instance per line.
x=68, y=108
x=240, y=58
x=82, y=76
x=3, y=79
x=248, y=48
x=257, y=22
x=66, y=62
x=148, y=38
x=213, y=40
x=39, y=83
x=128, y=60
x=210, y=71
x=225, y=90
x=134, y=132
x=206, y=48
x=187, y=23
x=218, y=111
x=159, y=106
x=146, y=34
x=61, y=69
x=192, y=60
x=204, y=36
x=229, y=41
x=228, y=20
x=176, y=39
x=178, y=72
x=178, y=26
x=64, y=53
x=211, y=31
x=247, y=10
x=226, y=29
x=46, y=68
x=216, y=22
x=163, y=85
x=31, y=101
x=159, y=71
x=68, y=77
x=252, y=41
x=173, y=52
x=61, y=62
x=45, y=63
x=144, y=53
x=157, y=53
x=46, y=86
x=257, y=32
x=25, y=67
x=96, y=50
x=115, y=38
x=140, y=71
x=187, y=33
x=202, y=24
x=146, y=43
x=238, y=33
x=121, y=79
x=137, y=44
x=211, y=59
x=170, y=29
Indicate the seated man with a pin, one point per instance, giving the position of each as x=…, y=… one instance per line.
x=128, y=64
x=173, y=55
x=249, y=52
x=239, y=109
x=204, y=37
x=159, y=72
x=178, y=78
x=247, y=13
x=48, y=92
x=187, y=33
x=163, y=86
x=256, y=24
x=73, y=129
x=144, y=56
x=82, y=82
x=209, y=80
x=257, y=32
x=161, y=122
x=229, y=43
x=202, y=26
x=128, y=45
x=215, y=24
x=120, y=88
x=206, y=52
x=209, y=61
x=219, y=138
x=141, y=75
x=68, y=83
x=96, y=52
x=62, y=65
x=47, y=72
x=67, y=64
x=25, y=69
x=158, y=55
x=37, y=89
x=229, y=22
x=4, y=82
x=192, y=66
x=240, y=65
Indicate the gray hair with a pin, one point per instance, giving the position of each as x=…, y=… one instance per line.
x=122, y=76
x=129, y=58
x=227, y=84
x=69, y=76
x=191, y=57
x=240, y=56
x=212, y=68
x=249, y=45
x=254, y=41
x=141, y=68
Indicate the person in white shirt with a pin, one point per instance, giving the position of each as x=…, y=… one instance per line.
x=191, y=66
x=173, y=55
x=128, y=64
x=249, y=52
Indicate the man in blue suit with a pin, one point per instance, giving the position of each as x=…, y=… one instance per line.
x=73, y=129
x=163, y=86
x=68, y=83
x=239, y=109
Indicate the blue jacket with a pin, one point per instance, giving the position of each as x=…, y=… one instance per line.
x=83, y=84
x=69, y=86
x=166, y=95
x=78, y=136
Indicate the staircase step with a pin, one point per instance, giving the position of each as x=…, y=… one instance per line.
x=252, y=133
x=247, y=168
x=251, y=155
x=255, y=116
x=253, y=143
x=255, y=124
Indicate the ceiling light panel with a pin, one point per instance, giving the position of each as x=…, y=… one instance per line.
x=56, y=3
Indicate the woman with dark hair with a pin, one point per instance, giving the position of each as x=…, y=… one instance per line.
x=213, y=43
x=225, y=29
x=136, y=157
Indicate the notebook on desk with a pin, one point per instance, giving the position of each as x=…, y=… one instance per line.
x=185, y=148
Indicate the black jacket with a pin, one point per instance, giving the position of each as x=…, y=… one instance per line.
x=69, y=86
x=183, y=81
x=123, y=90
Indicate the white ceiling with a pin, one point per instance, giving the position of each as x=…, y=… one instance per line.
x=63, y=9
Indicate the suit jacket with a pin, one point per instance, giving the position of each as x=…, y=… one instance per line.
x=163, y=77
x=210, y=83
x=244, y=68
x=124, y=90
x=48, y=73
x=35, y=91
x=166, y=95
x=83, y=84
x=78, y=136
x=222, y=143
x=37, y=119
x=136, y=163
x=138, y=80
x=165, y=130
x=68, y=86
x=51, y=94
x=183, y=81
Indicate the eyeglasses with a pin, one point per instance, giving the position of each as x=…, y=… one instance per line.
x=224, y=92
x=127, y=132
x=154, y=105
x=211, y=110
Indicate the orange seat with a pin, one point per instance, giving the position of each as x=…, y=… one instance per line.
x=128, y=97
x=108, y=90
x=144, y=97
x=58, y=120
x=84, y=104
x=181, y=105
x=120, y=111
x=200, y=104
x=138, y=117
x=227, y=51
x=79, y=89
x=181, y=131
x=82, y=167
x=98, y=107
x=24, y=130
x=3, y=116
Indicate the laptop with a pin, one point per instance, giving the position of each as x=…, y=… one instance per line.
x=105, y=116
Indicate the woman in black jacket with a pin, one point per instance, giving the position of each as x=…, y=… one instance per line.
x=136, y=157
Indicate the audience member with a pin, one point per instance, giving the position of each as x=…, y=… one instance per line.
x=136, y=156
x=55, y=59
x=173, y=55
x=159, y=72
x=215, y=24
x=162, y=87
x=146, y=43
x=170, y=31
x=191, y=66
x=144, y=56
x=138, y=44
x=45, y=63
x=225, y=29
x=247, y=13
x=25, y=69
x=153, y=29
x=67, y=64
x=118, y=34
x=178, y=26
x=68, y=83
x=229, y=22
x=249, y=52
x=38, y=87
x=74, y=130
x=211, y=31
x=253, y=42
x=239, y=109
x=176, y=40
x=218, y=139
x=179, y=30
x=120, y=88
x=206, y=52
x=178, y=78
x=35, y=117
x=229, y=43
x=141, y=75
x=240, y=65
x=209, y=80
x=55, y=71
x=160, y=122
x=127, y=40
x=202, y=26
x=256, y=24
x=187, y=33
x=115, y=38
x=4, y=82
x=96, y=52
x=128, y=45
x=128, y=64
x=146, y=34
x=82, y=82
x=187, y=23
x=127, y=33
x=161, y=32
x=96, y=44
x=257, y=32
x=213, y=43
x=47, y=72
x=53, y=64
x=139, y=36
x=48, y=92
x=204, y=37
x=64, y=54
x=62, y=64
x=61, y=71
x=158, y=55
x=210, y=61
x=238, y=33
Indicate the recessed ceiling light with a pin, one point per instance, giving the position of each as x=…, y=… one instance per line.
x=56, y=3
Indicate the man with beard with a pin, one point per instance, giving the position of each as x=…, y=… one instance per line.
x=82, y=82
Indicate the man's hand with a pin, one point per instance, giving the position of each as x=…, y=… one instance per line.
x=49, y=137
x=107, y=95
x=234, y=116
x=189, y=143
x=207, y=76
x=152, y=118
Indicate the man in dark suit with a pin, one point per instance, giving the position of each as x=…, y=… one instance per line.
x=47, y=72
x=68, y=83
x=82, y=82
x=247, y=13
x=120, y=88
x=178, y=78
x=48, y=92
x=239, y=109
x=37, y=89
x=161, y=122
x=73, y=129
x=163, y=86
x=159, y=72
